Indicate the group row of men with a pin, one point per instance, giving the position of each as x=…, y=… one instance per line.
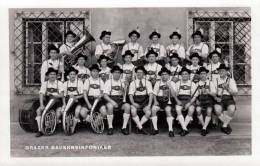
x=205, y=86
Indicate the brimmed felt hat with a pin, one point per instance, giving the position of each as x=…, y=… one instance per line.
x=53, y=47
x=197, y=33
x=70, y=33
x=140, y=68
x=184, y=69
x=134, y=32
x=175, y=55
x=154, y=33
x=104, y=33
x=95, y=67
x=164, y=70
x=202, y=69
x=223, y=66
x=128, y=52
x=50, y=70
x=151, y=51
x=195, y=55
x=116, y=68
x=81, y=55
x=103, y=57
x=72, y=69
x=175, y=34
x=213, y=53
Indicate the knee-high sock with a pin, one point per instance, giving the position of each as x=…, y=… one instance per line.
x=181, y=120
x=227, y=120
x=137, y=121
x=200, y=117
x=187, y=120
x=170, y=121
x=125, y=120
x=38, y=119
x=143, y=120
x=207, y=120
x=110, y=121
x=221, y=117
x=154, y=120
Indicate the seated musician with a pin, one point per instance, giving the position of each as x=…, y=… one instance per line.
x=105, y=73
x=93, y=89
x=152, y=67
x=140, y=96
x=114, y=93
x=186, y=93
x=53, y=61
x=65, y=49
x=225, y=105
x=50, y=89
x=194, y=67
x=214, y=59
x=73, y=88
x=135, y=47
x=206, y=92
x=84, y=72
x=163, y=99
x=174, y=67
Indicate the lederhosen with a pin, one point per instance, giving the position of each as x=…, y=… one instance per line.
x=163, y=100
x=196, y=77
x=226, y=100
x=142, y=100
x=117, y=98
x=91, y=99
x=81, y=100
x=184, y=98
x=128, y=74
x=206, y=100
x=173, y=74
x=83, y=76
x=46, y=99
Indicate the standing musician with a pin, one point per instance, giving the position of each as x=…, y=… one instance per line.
x=127, y=67
x=186, y=93
x=134, y=46
x=157, y=47
x=163, y=99
x=114, y=91
x=214, y=58
x=52, y=88
x=83, y=71
x=152, y=67
x=141, y=96
x=53, y=62
x=198, y=47
x=105, y=70
x=65, y=49
x=73, y=88
x=205, y=102
x=176, y=46
x=225, y=105
x=105, y=48
x=174, y=67
x=194, y=67
x=93, y=89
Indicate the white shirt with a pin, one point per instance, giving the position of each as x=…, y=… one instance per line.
x=53, y=88
x=209, y=85
x=187, y=88
x=134, y=88
x=82, y=71
x=152, y=70
x=174, y=69
x=158, y=48
x=114, y=88
x=94, y=87
x=177, y=48
x=213, y=72
x=128, y=71
x=56, y=64
x=64, y=48
x=102, y=49
x=202, y=49
x=105, y=73
x=160, y=86
x=73, y=88
x=232, y=86
x=135, y=48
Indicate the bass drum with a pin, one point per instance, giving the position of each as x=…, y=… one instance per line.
x=27, y=115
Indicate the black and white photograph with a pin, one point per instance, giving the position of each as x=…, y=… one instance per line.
x=103, y=82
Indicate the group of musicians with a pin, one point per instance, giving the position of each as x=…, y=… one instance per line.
x=147, y=81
